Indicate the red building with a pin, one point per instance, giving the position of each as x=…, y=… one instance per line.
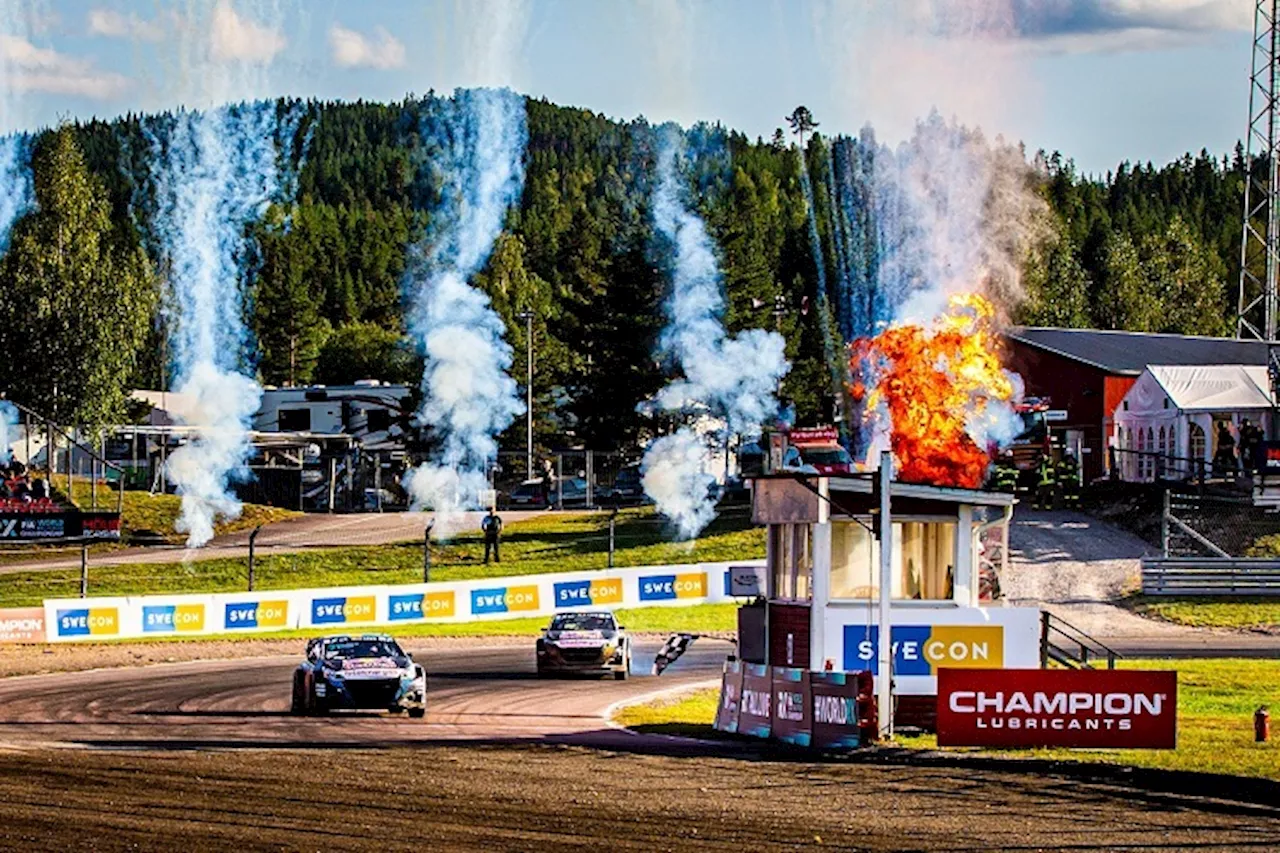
x=1086, y=372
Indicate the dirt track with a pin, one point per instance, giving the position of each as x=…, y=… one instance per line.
x=498, y=798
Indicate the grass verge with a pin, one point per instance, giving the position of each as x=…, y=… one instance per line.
x=554, y=543
x=1244, y=613
x=1216, y=701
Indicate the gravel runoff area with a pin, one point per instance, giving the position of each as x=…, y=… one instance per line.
x=502, y=797
x=1077, y=567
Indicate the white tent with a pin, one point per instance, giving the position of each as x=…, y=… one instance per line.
x=1175, y=413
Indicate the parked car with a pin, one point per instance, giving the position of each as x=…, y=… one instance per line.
x=540, y=494
x=369, y=672
x=584, y=642
x=628, y=489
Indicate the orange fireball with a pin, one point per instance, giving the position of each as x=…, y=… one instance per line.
x=938, y=387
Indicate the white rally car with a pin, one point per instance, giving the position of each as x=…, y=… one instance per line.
x=584, y=642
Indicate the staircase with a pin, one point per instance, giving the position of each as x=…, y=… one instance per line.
x=1067, y=646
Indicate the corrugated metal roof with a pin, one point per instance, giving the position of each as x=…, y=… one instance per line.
x=1130, y=352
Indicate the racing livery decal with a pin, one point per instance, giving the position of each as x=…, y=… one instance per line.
x=504, y=599
x=257, y=614
x=420, y=605
x=924, y=649
x=671, y=587
x=163, y=618
x=86, y=621
x=330, y=611
x=588, y=592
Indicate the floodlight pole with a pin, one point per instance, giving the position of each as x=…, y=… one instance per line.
x=884, y=668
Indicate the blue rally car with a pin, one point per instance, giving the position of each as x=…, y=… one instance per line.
x=367, y=672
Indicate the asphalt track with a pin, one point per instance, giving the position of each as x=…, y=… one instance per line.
x=489, y=694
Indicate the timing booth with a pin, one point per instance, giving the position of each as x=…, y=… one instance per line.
x=829, y=557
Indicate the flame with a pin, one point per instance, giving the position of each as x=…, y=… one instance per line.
x=946, y=399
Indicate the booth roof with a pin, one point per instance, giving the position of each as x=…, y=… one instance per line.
x=1128, y=353
x=1214, y=387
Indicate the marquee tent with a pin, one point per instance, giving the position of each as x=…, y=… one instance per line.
x=1175, y=412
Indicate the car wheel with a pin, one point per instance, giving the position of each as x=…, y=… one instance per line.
x=295, y=698
x=417, y=713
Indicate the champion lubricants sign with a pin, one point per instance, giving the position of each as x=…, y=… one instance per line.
x=1120, y=709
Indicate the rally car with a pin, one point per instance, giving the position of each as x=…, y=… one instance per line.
x=366, y=672
x=584, y=642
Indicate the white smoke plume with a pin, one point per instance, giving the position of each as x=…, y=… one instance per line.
x=469, y=398
x=214, y=170
x=960, y=217
x=15, y=174
x=726, y=376
x=8, y=430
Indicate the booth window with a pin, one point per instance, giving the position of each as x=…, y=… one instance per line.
x=792, y=561
x=925, y=556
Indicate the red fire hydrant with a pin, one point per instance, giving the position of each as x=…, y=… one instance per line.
x=1261, y=724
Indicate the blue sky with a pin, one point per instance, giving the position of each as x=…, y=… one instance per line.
x=1100, y=80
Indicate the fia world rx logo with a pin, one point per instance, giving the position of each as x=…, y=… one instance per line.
x=241, y=615
x=589, y=592
x=165, y=618
x=329, y=611
x=924, y=649
x=669, y=587
x=419, y=605
x=86, y=621
x=504, y=599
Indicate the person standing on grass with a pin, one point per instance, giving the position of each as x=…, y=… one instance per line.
x=492, y=528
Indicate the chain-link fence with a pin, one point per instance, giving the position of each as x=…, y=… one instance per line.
x=1206, y=525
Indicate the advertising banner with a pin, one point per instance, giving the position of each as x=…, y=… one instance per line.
x=834, y=698
x=730, y=698
x=755, y=715
x=792, y=713
x=1094, y=709
x=22, y=625
x=70, y=524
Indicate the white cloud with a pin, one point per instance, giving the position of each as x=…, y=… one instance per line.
x=40, y=69
x=236, y=37
x=107, y=22
x=352, y=49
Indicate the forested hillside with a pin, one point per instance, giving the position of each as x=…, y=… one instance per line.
x=1151, y=248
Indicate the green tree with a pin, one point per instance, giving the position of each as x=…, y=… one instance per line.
x=801, y=121
x=1126, y=299
x=76, y=295
x=1189, y=290
x=367, y=351
x=287, y=321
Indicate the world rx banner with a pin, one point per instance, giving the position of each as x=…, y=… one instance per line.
x=925, y=649
x=1050, y=707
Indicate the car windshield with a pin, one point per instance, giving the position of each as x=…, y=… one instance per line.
x=348, y=649
x=1034, y=428
x=827, y=456
x=582, y=622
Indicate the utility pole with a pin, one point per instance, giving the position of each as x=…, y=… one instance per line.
x=1260, y=244
x=527, y=316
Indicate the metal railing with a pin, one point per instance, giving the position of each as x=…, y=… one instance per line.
x=1209, y=576
x=1066, y=645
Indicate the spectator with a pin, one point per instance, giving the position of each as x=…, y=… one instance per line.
x=1224, y=459
x=492, y=528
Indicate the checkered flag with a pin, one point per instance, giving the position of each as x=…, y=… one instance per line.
x=672, y=649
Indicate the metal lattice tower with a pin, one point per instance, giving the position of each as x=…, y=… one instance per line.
x=1260, y=250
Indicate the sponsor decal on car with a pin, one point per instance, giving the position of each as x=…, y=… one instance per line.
x=588, y=592
x=329, y=611
x=88, y=621
x=924, y=649
x=162, y=618
x=670, y=587
x=504, y=599
x=421, y=605
x=370, y=668
x=579, y=639
x=256, y=614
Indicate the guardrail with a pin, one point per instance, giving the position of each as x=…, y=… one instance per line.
x=1210, y=576
x=354, y=608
